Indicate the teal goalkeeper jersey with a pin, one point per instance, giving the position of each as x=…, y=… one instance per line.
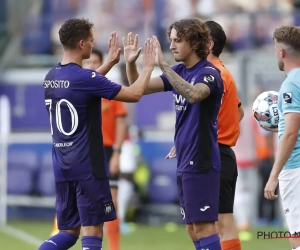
x=289, y=102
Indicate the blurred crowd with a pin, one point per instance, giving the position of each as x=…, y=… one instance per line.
x=247, y=23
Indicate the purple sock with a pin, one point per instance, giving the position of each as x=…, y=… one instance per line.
x=196, y=244
x=211, y=242
x=60, y=241
x=91, y=242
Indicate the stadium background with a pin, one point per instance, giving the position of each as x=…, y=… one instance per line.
x=29, y=47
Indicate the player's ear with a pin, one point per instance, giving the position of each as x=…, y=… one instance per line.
x=282, y=53
x=211, y=45
x=80, y=44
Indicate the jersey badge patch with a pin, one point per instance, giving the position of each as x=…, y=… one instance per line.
x=287, y=97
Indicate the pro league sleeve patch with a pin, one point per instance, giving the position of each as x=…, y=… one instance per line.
x=287, y=97
x=209, y=79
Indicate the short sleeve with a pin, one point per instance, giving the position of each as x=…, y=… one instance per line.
x=120, y=109
x=208, y=76
x=290, y=98
x=167, y=84
x=99, y=86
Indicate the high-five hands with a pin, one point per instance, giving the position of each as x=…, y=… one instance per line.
x=131, y=50
x=160, y=60
x=114, y=50
x=149, y=55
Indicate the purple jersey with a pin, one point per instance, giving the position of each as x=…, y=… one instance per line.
x=72, y=97
x=196, y=129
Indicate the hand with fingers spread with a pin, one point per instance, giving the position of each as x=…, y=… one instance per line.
x=270, y=189
x=114, y=50
x=131, y=50
x=149, y=55
x=159, y=54
x=172, y=153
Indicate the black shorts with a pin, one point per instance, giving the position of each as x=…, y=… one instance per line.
x=113, y=179
x=228, y=177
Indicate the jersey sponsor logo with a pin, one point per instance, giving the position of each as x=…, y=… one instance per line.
x=204, y=208
x=179, y=102
x=56, y=84
x=209, y=79
x=93, y=74
x=287, y=97
x=63, y=144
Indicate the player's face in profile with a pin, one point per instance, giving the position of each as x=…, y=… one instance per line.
x=179, y=46
x=88, y=45
x=278, y=52
x=92, y=63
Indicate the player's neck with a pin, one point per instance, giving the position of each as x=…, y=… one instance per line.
x=191, y=61
x=71, y=57
x=289, y=66
x=212, y=57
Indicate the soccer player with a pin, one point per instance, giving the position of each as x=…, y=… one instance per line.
x=114, y=132
x=231, y=112
x=286, y=168
x=72, y=98
x=197, y=89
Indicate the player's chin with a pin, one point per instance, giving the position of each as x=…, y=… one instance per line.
x=177, y=58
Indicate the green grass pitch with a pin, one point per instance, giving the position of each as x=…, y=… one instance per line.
x=142, y=238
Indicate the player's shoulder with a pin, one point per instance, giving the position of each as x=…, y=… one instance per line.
x=209, y=68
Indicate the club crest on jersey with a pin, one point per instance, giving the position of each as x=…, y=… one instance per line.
x=209, y=78
x=287, y=97
x=108, y=207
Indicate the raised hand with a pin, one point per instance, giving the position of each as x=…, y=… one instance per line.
x=149, y=55
x=159, y=55
x=131, y=50
x=114, y=50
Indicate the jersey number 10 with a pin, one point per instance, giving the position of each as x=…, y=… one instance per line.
x=73, y=112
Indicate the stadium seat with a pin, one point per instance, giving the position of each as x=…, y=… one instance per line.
x=162, y=187
x=22, y=165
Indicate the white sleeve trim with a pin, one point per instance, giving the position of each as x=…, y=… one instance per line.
x=291, y=111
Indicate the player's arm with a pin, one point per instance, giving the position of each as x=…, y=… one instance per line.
x=131, y=53
x=135, y=92
x=120, y=132
x=114, y=163
x=287, y=144
x=192, y=93
x=113, y=55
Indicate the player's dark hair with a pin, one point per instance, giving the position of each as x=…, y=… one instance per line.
x=195, y=33
x=74, y=30
x=218, y=36
x=288, y=35
x=99, y=54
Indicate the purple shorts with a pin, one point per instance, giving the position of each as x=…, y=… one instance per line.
x=86, y=203
x=198, y=196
